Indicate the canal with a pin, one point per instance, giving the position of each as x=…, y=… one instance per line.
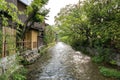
x=63, y=63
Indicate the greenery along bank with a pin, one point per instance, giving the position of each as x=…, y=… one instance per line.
x=9, y=13
x=92, y=24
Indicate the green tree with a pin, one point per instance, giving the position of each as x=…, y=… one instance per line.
x=92, y=23
x=8, y=12
x=49, y=35
x=73, y=25
x=104, y=17
x=36, y=13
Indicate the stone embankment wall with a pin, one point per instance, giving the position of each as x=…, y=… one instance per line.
x=10, y=64
x=30, y=56
x=113, y=56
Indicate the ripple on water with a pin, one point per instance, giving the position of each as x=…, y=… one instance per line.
x=66, y=64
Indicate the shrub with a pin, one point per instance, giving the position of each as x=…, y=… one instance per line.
x=19, y=75
x=43, y=50
x=113, y=62
x=4, y=77
x=108, y=72
x=97, y=59
x=104, y=55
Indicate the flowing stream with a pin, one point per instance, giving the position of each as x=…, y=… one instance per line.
x=67, y=64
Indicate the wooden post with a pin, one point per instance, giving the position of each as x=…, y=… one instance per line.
x=4, y=43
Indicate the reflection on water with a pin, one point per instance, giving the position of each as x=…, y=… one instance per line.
x=66, y=64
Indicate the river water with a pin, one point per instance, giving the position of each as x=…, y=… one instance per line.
x=67, y=64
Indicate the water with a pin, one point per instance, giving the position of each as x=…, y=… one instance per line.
x=56, y=68
x=67, y=64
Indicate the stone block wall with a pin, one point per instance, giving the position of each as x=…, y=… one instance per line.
x=8, y=63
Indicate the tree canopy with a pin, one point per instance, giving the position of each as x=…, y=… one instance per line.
x=8, y=11
x=91, y=23
x=36, y=13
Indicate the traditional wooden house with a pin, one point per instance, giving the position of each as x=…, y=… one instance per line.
x=8, y=35
x=8, y=40
x=33, y=37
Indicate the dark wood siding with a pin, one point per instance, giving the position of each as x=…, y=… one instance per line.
x=22, y=7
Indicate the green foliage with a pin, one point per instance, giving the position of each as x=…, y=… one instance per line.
x=43, y=50
x=113, y=62
x=72, y=23
x=19, y=75
x=97, y=59
x=8, y=12
x=103, y=55
x=110, y=72
x=49, y=35
x=92, y=23
x=104, y=24
x=3, y=77
x=37, y=10
x=38, y=18
x=64, y=39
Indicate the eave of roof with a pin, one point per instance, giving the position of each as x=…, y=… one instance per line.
x=23, y=2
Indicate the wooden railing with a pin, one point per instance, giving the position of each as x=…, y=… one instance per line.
x=20, y=46
x=7, y=49
x=26, y=45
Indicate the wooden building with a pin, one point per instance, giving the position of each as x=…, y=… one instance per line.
x=8, y=36
x=9, y=41
x=33, y=37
